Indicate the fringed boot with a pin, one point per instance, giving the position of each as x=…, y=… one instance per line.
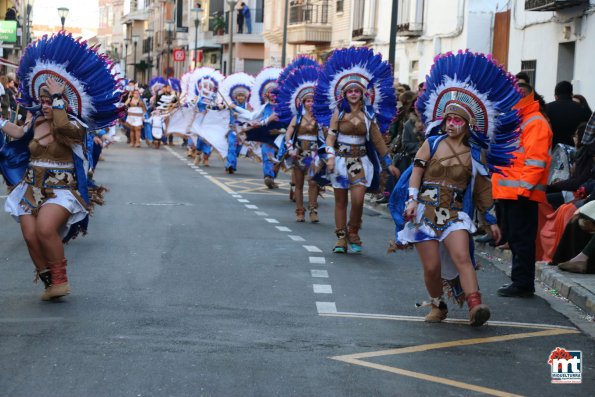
x=341, y=246
x=59, y=281
x=300, y=215
x=205, y=159
x=313, y=213
x=478, y=312
x=355, y=243
x=438, y=312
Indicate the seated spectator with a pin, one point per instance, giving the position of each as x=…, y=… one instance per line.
x=576, y=250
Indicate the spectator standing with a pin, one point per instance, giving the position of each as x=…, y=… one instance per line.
x=240, y=19
x=565, y=114
x=519, y=190
x=4, y=99
x=247, y=17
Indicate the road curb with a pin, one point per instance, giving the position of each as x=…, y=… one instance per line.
x=551, y=276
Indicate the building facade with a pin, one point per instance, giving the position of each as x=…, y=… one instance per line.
x=554, y=41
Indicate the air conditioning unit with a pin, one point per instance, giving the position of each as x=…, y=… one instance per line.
x=552, y=5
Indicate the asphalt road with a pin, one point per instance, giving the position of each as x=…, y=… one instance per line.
x=192, y=282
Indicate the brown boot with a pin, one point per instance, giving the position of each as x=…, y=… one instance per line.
x=205, y=160
x=59, y=281
x=438, y=312
x=313, y=214
x=269, y=182
x=341, y=246
x=478, y=312
x=355, y=242
x=45, y=276
x=197, y=158
x=300, y=215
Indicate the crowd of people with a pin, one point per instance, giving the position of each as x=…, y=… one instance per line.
x=471, y=153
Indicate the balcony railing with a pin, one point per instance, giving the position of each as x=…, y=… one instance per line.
x=552, y=5
x=309, y=13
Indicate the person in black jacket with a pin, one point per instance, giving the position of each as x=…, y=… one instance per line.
x=565, y=114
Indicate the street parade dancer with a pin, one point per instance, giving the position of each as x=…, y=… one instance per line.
x=264, y=122
x=355, y=99
x=235, y=90
x=471, y=128
x=297, y=63
x=52, y=196
x=303, y=138
x=136, y=110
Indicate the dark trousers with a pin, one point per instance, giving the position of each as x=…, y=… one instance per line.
x=520, y=217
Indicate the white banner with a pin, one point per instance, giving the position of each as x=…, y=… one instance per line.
x=180, y=121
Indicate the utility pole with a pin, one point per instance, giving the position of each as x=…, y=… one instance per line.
x=284, y=47
x=392, y=44
x=232, y=6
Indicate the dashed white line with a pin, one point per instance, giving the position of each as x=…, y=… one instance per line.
x=269, y=220
x=312, y=248
x=326, y=307
x=283, y=228
x=322, y=288
x=260, y=213
x=296, y=238
x=251, y=206
x=318, y=259
x=319, y=273
x=236, y=195
x=243, y=201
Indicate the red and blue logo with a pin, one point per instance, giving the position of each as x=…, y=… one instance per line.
x=566, y=365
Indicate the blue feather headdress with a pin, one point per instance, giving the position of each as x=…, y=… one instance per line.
x=476, y=85
x=92, y=90
x=236, y=83
x=264, y=83
x=157, y=83
x=298, y=85
x=360, y=67
x=297, y=63
x=175, y=84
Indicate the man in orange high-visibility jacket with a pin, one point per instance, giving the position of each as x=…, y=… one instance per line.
x=520, y=189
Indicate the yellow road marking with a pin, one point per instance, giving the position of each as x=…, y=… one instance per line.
x=458, y=343
x=357, y=359
x=430, y=378
x=221, y=185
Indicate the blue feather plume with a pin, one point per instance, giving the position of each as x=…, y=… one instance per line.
x=298, y=77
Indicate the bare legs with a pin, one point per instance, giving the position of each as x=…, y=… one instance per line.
x=42, y=235
x=456, y=244
x=135, y=136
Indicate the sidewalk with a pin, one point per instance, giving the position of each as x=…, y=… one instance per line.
x=577, y=288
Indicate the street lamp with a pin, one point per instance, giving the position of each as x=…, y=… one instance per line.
x=135, y=38
x=63, y=12
x=232, y=6
x=197, y=14
x=126, y=41
x=149, y=32
x=28, y=9
x=170, y=28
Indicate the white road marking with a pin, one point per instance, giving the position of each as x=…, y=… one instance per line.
x=194, y=167
x=283, y=228
x=448, y=320
x=260, y=213
x=251, y=206
x=322, y=289
x=296, y=238
x=236, y=195
x=269, y=220
x=326, y=307
x=318, y=259
x=243, y=201
x=312, y=248
x=319, y=273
